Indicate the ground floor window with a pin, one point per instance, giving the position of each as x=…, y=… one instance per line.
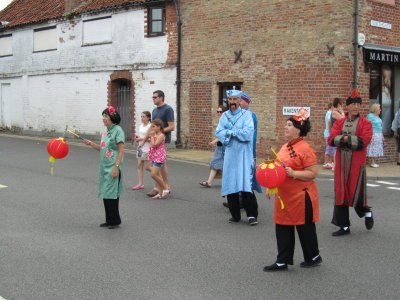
x=385, y=90
x=223, y=87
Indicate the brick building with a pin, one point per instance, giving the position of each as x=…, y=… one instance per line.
x=63, y=61
x=286, y=54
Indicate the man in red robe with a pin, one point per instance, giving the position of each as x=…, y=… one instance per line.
x=351, y=135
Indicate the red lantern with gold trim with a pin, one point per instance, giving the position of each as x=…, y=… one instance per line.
x=57, y=148
x=271, y=174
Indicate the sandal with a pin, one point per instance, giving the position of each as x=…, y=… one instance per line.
x=165, y=194
x=205, y=184
x=158, y=196
x=152, y=193
x=138, y=187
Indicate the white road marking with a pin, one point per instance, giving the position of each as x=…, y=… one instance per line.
x=394, y=188
x=372, y=185
x=2, y=187
x=387, y=182
x=1, y=298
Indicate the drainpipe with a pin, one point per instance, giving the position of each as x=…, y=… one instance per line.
x=178, y=142
x=355, y=81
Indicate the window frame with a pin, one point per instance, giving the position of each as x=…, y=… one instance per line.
x=7, y=36
x=44, y=29
x=150, y=21
x=86, y=44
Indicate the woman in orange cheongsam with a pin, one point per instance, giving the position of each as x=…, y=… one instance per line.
x=296, y=203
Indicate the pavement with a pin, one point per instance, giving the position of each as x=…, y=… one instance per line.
x=388, y=170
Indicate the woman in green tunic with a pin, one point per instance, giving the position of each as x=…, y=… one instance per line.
x=111, y=166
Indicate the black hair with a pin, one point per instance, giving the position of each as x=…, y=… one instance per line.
x=159, y=94
x=115, y=117
x=336, y=102
x=304, y=128
x=147, y=114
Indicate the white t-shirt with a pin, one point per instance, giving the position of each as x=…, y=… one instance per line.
x=142, y=133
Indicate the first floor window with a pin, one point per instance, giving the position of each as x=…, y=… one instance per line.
x=156, y=21
x=6, y=45
x=45, y=39
x=385, y=90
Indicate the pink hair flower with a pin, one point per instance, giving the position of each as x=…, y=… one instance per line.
x=301, y=116
x=111, y=109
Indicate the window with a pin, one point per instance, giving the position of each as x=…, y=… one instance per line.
x=156, y=21
x=97, y=31
x=385, y=90
x=6, y=45
x=223, y=87
x=45, y=39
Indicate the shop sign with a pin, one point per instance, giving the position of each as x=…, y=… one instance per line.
x=381, y=24
x=292, y=110
x=379, y=56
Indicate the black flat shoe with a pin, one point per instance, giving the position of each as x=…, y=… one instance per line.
x=369, y=222
x=312, y=263
x=113, y=226
x=274, y=267
x=341, y=231
x=233, y=220
x=225, y=204
x=104, y=225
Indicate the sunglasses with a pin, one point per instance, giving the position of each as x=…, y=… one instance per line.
x=154, y=97
x=219, y=111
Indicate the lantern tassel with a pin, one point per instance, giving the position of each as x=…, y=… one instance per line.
x=52, y=160
x=280, y=200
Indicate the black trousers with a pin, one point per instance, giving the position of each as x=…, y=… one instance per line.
x=112, y=211
x=341, y=214
x=249, y=202
x=285, y=237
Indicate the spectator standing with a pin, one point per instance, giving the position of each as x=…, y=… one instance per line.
x=396, y=130
x=165, y=113
x=142, y=151
x=375, y=148
x=217, y=161
x=329, y=150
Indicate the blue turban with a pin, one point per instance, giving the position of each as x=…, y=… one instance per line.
x=233, y=93
x=245, y=97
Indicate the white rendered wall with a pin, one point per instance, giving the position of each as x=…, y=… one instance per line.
x=68, y=86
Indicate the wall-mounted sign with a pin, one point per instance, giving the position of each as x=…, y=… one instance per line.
x=292, y=110
x=381, y=24
x=379, y=56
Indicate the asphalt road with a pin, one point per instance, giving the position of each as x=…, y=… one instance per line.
x=51, y=246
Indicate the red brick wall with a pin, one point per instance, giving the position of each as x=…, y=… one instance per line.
x=285, y=59
x=200, y=125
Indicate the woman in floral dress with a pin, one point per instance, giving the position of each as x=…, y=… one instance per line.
x=111, y=166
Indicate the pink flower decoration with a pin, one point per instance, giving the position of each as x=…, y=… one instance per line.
x=301, y=116
x=103, y=145
x=109, y=154
x=111, y=110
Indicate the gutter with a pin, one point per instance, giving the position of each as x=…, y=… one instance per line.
x=355, y=43
x=178, y=142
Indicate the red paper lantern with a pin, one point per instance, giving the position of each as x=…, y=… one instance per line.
x=57, y=149
x=271, y=174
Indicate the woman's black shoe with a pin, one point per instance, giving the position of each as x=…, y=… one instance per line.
x=341, y=231
x=104, y=225
x=274, y=267
x=312, y=263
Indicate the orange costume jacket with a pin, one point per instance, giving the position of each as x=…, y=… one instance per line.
x=350, y=159
x=297, y=155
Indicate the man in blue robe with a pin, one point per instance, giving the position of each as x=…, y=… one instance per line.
x=235, y=131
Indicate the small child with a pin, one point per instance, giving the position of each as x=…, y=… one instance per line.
x=143, y=151
x=158, y=157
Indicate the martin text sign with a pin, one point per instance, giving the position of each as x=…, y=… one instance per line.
x=292, y=110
